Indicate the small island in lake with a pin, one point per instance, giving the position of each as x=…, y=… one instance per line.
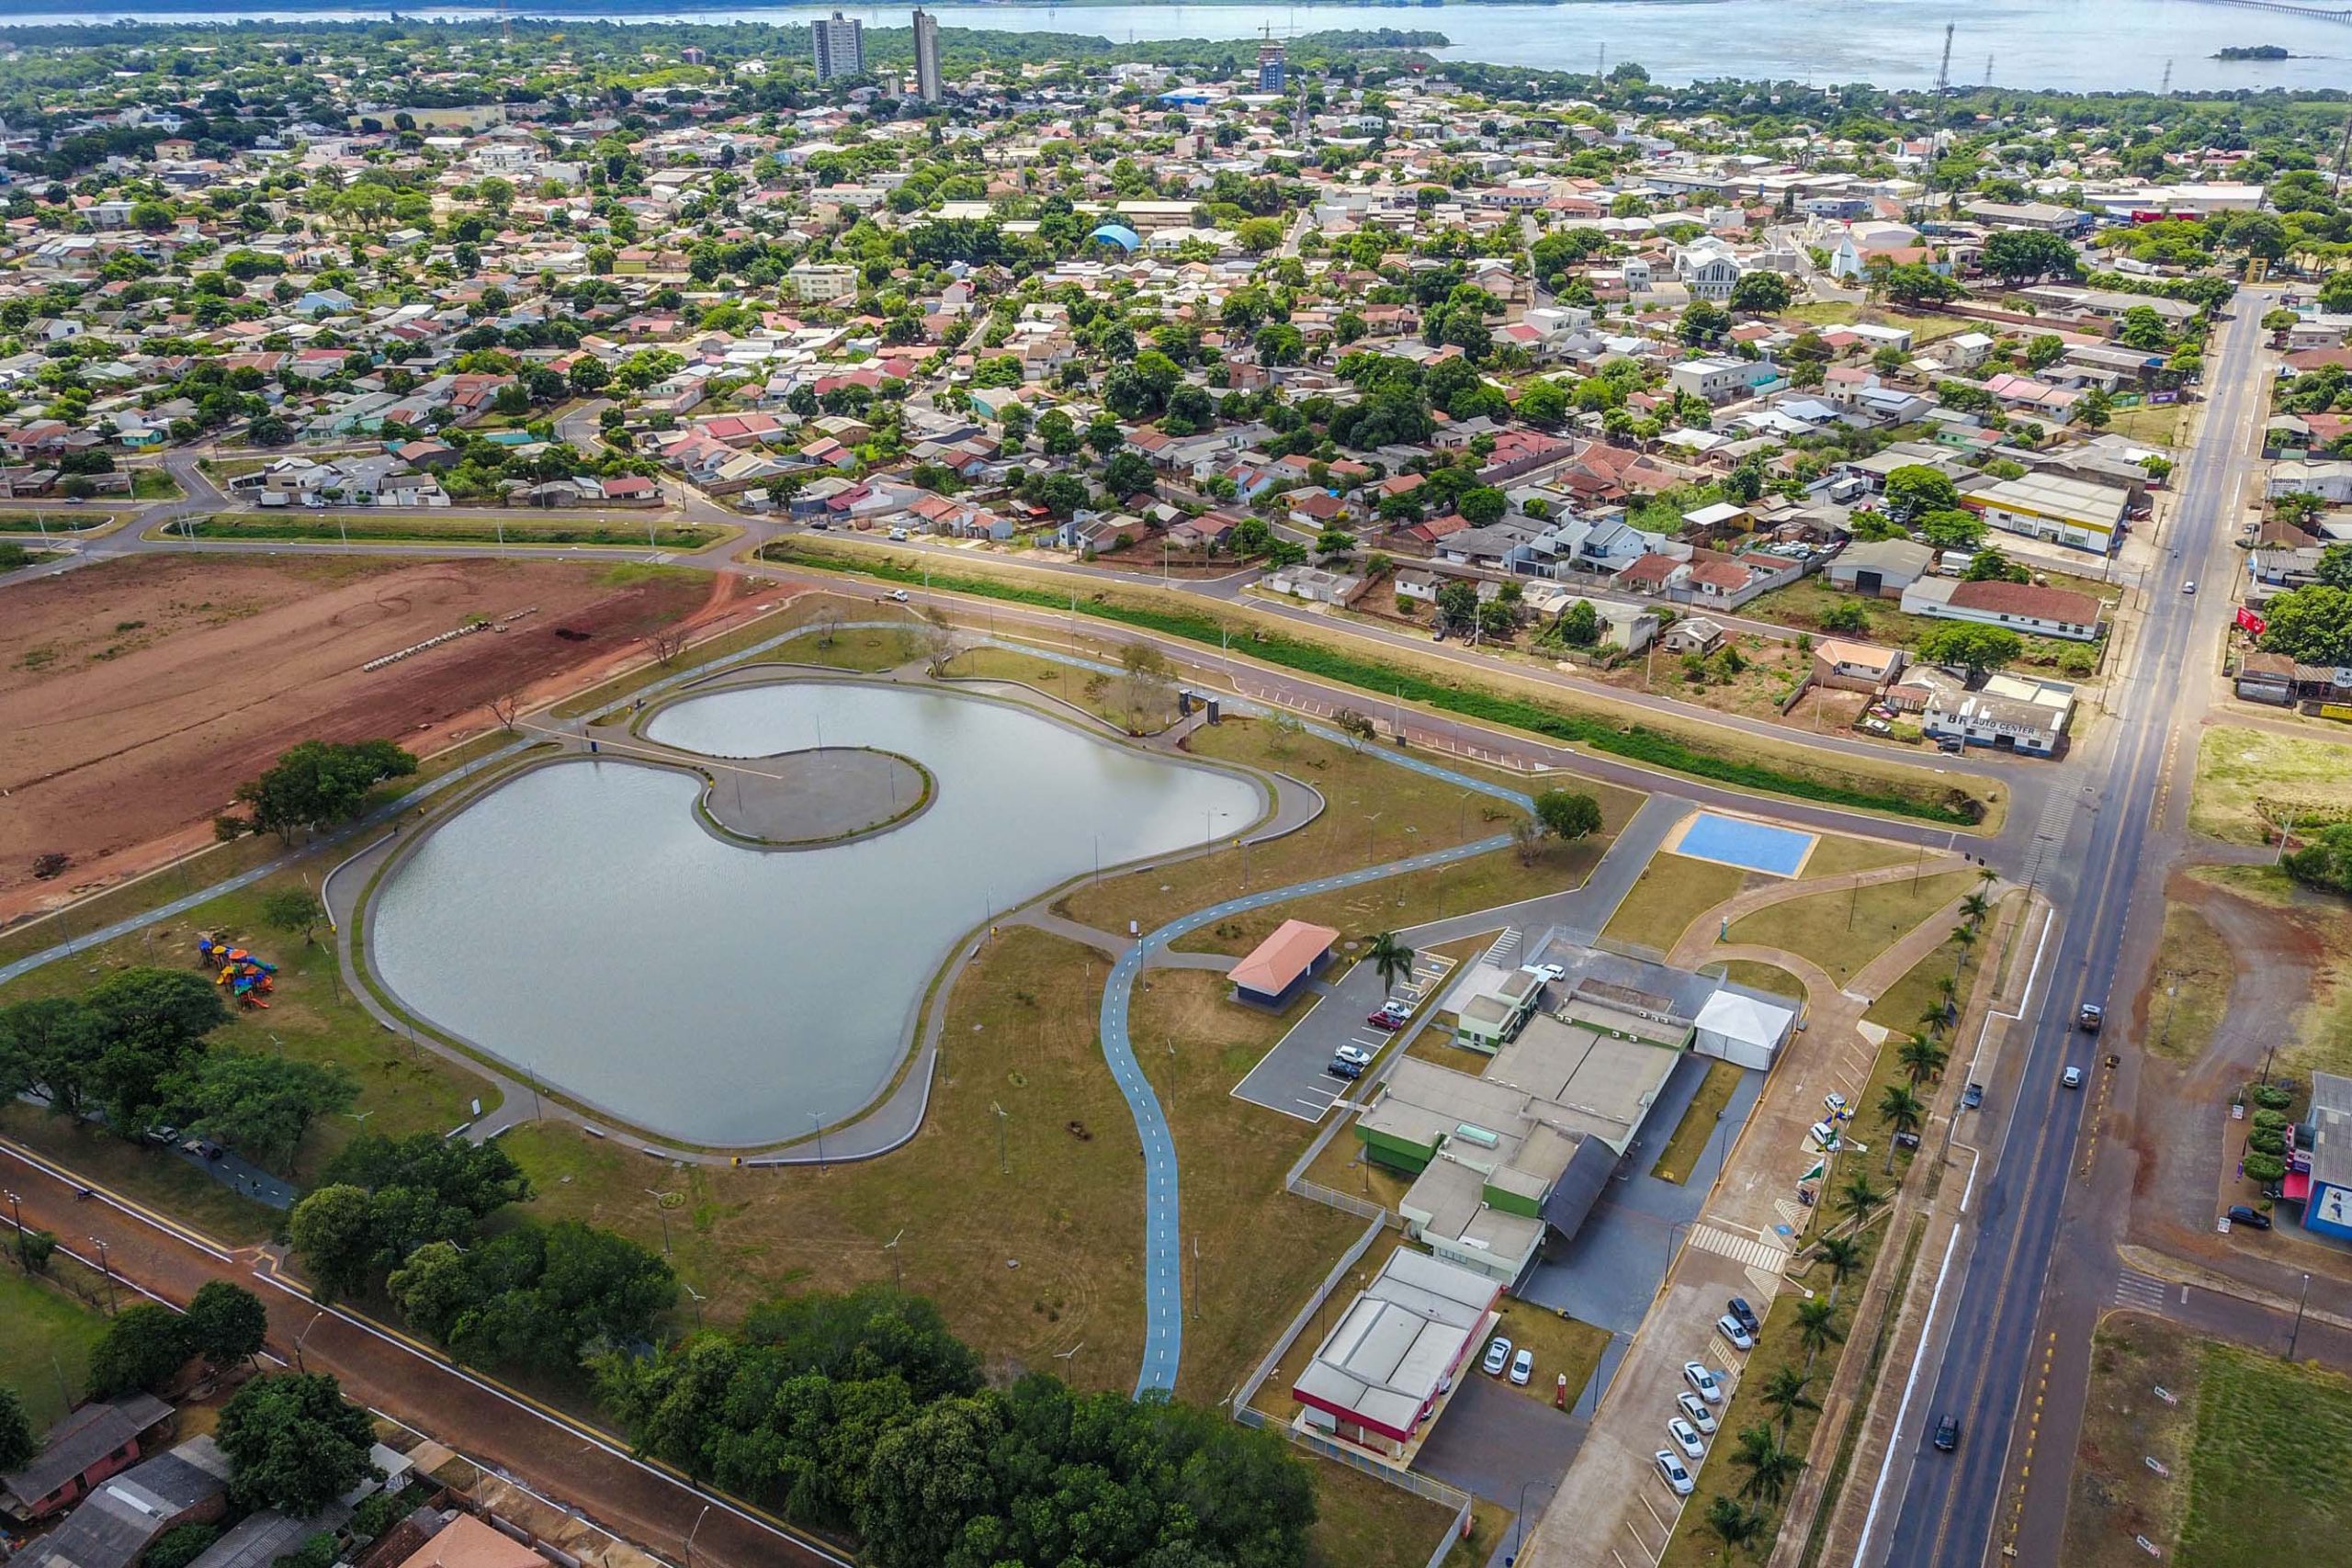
x=2254, y=51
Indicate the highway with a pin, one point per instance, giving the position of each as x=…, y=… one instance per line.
x=1959, y=1508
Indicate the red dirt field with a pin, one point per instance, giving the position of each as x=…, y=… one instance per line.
x=136, y=695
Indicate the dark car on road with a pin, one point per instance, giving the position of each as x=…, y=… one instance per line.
x=1972, y=1096
x=1948, y=1434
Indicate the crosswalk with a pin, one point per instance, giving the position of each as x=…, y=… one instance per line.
x=1739, y=1248
x=2137, y=1290
x=2048, y=835
x=1500, y=953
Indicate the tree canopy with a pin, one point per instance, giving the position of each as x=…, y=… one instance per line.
x=322, y=782
x=293, y=1443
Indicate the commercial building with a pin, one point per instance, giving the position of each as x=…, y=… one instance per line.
x=1396, y=1352
x=839, y=47
x=1881, y=568
x=2020, y=607
x=927, y=78
x=2047, y=506
x=2321, y=1167
x=1279, y=967
x=815, y=283
x=2008, y=712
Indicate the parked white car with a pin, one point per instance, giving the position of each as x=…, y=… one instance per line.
x=1694, y=1410
x=1498, y=1357
x=1523, y=1367
x=1702, y=1381
x=1671, y=1470
x=1731, y=1328
x=1686, y=1437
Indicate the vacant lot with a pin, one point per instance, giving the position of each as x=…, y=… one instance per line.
x=2192, y=980
x=615, y=531
x=2321, y=961
x=2250, y=781
x=1804, y=603
x=136, y=695
x=2125, y=1423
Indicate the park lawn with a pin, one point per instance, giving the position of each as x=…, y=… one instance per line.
x=2153, y=424
x=310, y=1016
x=2249, y=780
x=523, y=528
x=1341, y=1166
x=1764, y=977
x=1356, y=785
x=1483, y=882
x=1835, y=853
x=1903, y=1006
x=868, y=648
x=1563, y=1347
x=1694, y=1544
x=1844, y=931
x=801, y=611
x=2191, y=981
x=1137, y=709
x=2323, y=1034
x=48, y=1339
x=2273, y=1444
x=1682, y=1151
x=154, y=484
x=1257, y=1243
x=1066, y=1206
x=1671, y=892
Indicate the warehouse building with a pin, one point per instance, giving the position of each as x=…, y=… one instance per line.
x=2062, y=511
x=2321, y=1169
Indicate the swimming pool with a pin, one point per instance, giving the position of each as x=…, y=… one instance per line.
x=1754, y=846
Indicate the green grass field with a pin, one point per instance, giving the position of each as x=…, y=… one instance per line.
x=2273, y=1446
x=1671, y=892
x=1843, y=931
x=45, y=1349
x=1682, y=1153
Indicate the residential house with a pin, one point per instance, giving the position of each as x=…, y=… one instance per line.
x=1855, y=666
x=2020, y=607
x=83, y=1450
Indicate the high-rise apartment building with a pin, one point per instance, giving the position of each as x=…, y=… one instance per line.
x=1274, y=66
x=839, y=45
x=926, y=56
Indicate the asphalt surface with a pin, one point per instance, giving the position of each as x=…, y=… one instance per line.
x=1959, y=1509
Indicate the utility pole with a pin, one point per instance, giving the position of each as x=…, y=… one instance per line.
x=1944, y=71
x=106, y=1267
x=2298, y=1332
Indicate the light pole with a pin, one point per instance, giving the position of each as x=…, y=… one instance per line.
x=898, y=1274
x=105, y=1267
x=299, y=1365
x=819, y=1122
x=2298, y=1332
x=17, y=1214
x=692, y=1533
x=662, y=1207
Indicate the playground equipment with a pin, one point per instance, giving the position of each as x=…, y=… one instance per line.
x=247, y=977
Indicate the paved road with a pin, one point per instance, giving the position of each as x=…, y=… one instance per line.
x=1960, y=1510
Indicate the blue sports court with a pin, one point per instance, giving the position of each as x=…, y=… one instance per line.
x=1754, y=846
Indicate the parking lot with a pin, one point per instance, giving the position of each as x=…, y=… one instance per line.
x=1291, y=1078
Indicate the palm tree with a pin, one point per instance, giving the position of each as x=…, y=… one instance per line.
x=1986, y=875
x=1736, y=1524
x=1934, y=1018
x=1966, y=937
x=1784, y=1395
x=1769, y=1466
x=1843, y=1255
x=1975, y=907
x=1817, y=1328
x=1948, y=996
x=1390, y=959
x=1922, y=1058
x=1902, y=1113
x=1858, y=1197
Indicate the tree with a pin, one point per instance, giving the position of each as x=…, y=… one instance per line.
x=1921, y=1059
x=1568, y=815
x=1989, y=565
x=258, y=1105
x=1784, y=1395
x=1457, y=606
x=2323, y=861
x=322, y=782
x=152, y=1022
x=1842, y=1255
x=1734, y=1523
x=1702, y=322
x=1902, y=1113
x=334, y=1229
x=142, y=1348
x=225, y=1323
x=1579, y=624
x=1915, y=489
x=1390, y=959
x=1817, y=1329
x=1543, y=402
x=294, y=1444
x=2335, y=566
x=1951, y=528
x=292, y=908
x=18, y=1441
x=2023, y=256
x=1760, y=294
x=52, y=1044
x=1770, y=1467
x=1858, y=1197
x=1482, y=504
x=2141, y=328
x=1975, y=649
x=180, y=1545
x=2311, y=624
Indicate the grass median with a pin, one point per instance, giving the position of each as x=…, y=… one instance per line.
x=1500, y=698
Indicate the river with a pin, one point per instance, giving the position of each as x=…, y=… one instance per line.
x=2083, y=45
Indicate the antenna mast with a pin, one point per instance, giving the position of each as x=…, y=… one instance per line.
x=1943, y=72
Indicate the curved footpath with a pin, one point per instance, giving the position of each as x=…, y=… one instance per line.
x=1163, y=1271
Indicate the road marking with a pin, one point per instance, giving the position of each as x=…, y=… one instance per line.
x=2138, y=1290
x=1741, y=1249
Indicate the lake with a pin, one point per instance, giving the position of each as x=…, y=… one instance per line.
x=580, y=924
x=2084, y=45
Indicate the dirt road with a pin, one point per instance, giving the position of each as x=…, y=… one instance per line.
x=563, y=1459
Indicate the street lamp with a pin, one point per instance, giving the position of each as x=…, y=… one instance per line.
x=691, y=1534
x=17, y=1214
x=105, y=1267
x=819, y=1122
x=299, y=1365
x=2298, y=1332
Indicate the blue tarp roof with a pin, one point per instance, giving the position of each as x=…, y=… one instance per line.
x=1119, y=234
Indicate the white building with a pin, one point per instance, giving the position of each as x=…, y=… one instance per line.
x=839, y=45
